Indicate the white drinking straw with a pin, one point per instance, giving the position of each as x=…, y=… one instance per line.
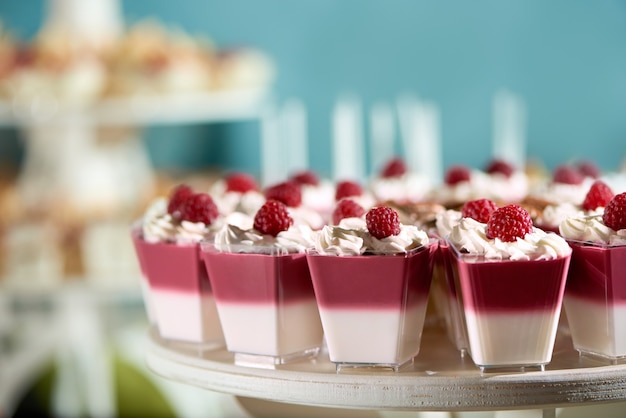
x=347, y=140
x=382, y=136
x=509, y=128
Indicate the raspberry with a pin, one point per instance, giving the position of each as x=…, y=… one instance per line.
x=479, y=210
x=199, y=207
x=599, y=195
x=272, y=218
x=347, y=188
x=567, y=175
x=241, y=183
x=286, y=192
x=306, y=177
x=456, y=174
x=177, y=198
x=589, y=169
x=500, y=167
x=382, y=222
x=394, y=168
x=347, y=208
x=615, y=212
x=508, y=223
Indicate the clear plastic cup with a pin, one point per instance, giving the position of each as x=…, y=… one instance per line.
x=372, y=306
x=265, y=302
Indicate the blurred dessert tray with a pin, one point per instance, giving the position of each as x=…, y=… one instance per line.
x=223, y=105
x=440, y=379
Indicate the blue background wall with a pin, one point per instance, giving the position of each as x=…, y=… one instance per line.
x=567, y=58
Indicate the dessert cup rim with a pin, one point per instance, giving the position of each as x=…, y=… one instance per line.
x=581, y=243
x=431, y=242
x=479, y=258
x=267, y=250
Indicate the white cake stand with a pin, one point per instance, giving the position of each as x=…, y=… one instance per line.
x=439, y=380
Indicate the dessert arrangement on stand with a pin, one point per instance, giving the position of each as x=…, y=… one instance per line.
x=364, y=290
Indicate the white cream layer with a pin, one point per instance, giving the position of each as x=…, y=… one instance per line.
x=511, y=339
x=597, y=328
x=265, y=329
x=373, y=336
x=186, y=317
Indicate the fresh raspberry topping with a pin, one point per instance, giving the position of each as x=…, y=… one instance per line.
x=272, y=218
x=457, y=174
x=199, y=207
x=567, y=175
x=177, y=198
x=500, y=167
x=306, y=177
x=599, y=195
x=479, y=210
x=241, y=183
x=347, y=208
x=394, y=168
x=382, y=222
x=286, y=192
x=347, y=188
x=589, y=169
x=508, y=223
x=615, y=212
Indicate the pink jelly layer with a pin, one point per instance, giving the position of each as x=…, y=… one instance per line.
x=372, y=281
x=258, y=278
x=512, y=286
x=597, y=273
x=174, y=267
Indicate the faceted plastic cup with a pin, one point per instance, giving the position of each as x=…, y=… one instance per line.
x=143, y=279
x=595, y=299
x=180, y=294
x=265, y=303
x=511, y=308
x=372, y=306
x=447, y=297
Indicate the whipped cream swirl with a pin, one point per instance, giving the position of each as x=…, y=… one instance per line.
x=157, y=224
x=351, y=237
x=446, y=220
x=160, y=226
x=591, y=229
x=469, y=236
x=232, y=238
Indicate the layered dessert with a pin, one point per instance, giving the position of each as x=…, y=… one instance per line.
x=371, y=277
x=263, y=290
x=317, y=194
x=237, y=192
x=595, y=296
x=511, y=277
x=395, y=183
x=179, y=292
x=567, y=185
x=551, y=216
x=499, y=181
x=444, y=290
x=290, y=193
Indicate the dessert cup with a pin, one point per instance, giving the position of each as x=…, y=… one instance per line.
x=265, y=303
x=446, y=298
x=372, y=306
x=595, y=299
x=180, y=293
x=511, y=308
x=144, y=283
